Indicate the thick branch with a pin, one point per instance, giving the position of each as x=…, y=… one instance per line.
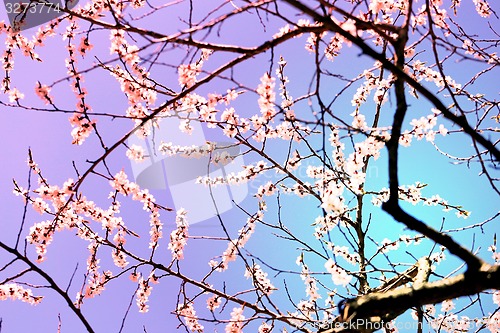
x=459, y=120
x=52, y=284
x=399, y=300
x=367, y=312
x=392, y=207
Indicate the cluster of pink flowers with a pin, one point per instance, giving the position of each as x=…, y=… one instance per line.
x=236, y=322
x=121, y=184
x=422, y=72
x=482, y=8
x=137, y=89
x=267, y=189
x=332, y=199
x=189, y=314
x=213, y=302
x=265, y=328
x=388, y=245
x=339, y=275
x=96, y=281
x=413, y=195
x=14, y=292
x=233, y=245
x=267, y=96
x=451, y=323
x=372, y=82
x=231, y=121
x=248, y=173
x=197, y=151
x=138, y=112
x=287, y=29
x=343, y=251
x=94, y=9
x=41, y=234
x=293, y=161
x=138, y=3
x=423, y=127
x=82, y=125
x=81, y=122
x=15, y=95
x=285, y=130
x=260, y=279
x=43, y=91
x=142, y=294
x=189, y=72
x=334, y=46
x=324, y=224
x=179, y=236
x=309, y=281
x=119, y=258
x=135, y=153
x=135, y=83
x=106, y=217
x=194, y=151
x=15, y=40
x=493, y=324
x=306, y=312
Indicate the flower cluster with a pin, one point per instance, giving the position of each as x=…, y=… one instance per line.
x=14, y=292
x=343, y=251
x=371, y=83
x=233, y=245
x=189, y=314
x=96, y=281
x=339, y=275
x=142, y=294
x=423, y=72
x=121, y=184
x=135, y=153
x=43, y=91
x=213, y=302
x=267, y=189
x=248, y=173
x=324, y=224
x=267, y=96
x=260, y=279
x=81, y=122
x=309, y=281
x=423, y=127
x=179, y=236
x=236, y=322
x=189, y=72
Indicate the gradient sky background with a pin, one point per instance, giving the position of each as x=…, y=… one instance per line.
x=48, y=136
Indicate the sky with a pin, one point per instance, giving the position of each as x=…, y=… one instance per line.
x=47, y=134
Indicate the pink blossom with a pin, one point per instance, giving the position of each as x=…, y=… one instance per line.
x=265, y=328
x=236, y=322
x=179, y=236
x=43, y=91
x=339, y=275
x=213, y=302
x=267, y=96
x=14, y=291
x=136, y=153
x=189, y=314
